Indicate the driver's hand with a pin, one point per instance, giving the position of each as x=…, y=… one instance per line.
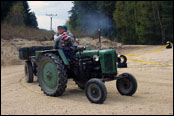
x=64, y=33
x=66, y=38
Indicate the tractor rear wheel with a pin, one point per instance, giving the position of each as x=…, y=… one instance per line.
x=28, y=72
x=126, y=84
x=52, y=75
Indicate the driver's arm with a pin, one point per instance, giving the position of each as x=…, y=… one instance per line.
x=57, y=37
x=71, y=37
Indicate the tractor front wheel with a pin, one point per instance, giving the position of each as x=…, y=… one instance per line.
x=96, y=91
x=126, y=84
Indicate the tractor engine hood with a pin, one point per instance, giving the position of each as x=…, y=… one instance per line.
x=88, y=53
x=107, y=59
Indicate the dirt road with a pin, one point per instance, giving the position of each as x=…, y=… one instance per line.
x=154, y=94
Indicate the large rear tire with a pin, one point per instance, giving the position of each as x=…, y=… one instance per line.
x=52, y=75
x=28, y=72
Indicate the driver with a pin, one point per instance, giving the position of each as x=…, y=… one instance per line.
x=64, y=40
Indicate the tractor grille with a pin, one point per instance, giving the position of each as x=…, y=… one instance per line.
x=108, y=62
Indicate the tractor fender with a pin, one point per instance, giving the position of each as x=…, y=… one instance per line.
x=63, y=57
x=55, y=51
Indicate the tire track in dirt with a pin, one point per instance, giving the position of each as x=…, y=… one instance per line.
x=21, y=81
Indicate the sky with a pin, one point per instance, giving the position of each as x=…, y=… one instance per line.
x=41, y=8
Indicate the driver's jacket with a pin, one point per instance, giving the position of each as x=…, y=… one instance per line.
x=61, y=43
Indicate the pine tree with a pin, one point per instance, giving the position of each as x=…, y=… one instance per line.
x=5, y=8
x=16, y=15
x=32, y=20
x=148, y=25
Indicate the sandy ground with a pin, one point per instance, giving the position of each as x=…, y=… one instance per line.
x=154, y=94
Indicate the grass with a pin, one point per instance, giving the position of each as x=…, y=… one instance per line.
x=10, y=32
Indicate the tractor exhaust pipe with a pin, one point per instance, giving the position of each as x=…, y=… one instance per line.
x=99, y=36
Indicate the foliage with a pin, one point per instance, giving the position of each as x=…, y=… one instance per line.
x=17, y=13
x=130, y=22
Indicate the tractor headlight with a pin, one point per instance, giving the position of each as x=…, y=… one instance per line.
x=96, y=58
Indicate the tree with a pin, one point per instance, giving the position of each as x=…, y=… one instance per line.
x=5, y=8
x=88, y=16
x=124, y=17
x=16, y=15
x=107, y=8
x=138, y=22
x=164, y=11
x=131, y=22
x=32, y=20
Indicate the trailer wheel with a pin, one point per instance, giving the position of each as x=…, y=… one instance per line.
x=126, y=84
x=52, y=75
x=28, y=72
x=96, y=91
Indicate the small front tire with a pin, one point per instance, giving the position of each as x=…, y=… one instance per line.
x=95, y=91
x=126, y=84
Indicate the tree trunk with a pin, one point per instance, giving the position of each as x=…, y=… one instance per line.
x=161, y=26
x=135, y=14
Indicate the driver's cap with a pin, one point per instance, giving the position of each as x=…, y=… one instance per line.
x=63, y=27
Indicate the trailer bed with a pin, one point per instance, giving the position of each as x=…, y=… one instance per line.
x=26, y=53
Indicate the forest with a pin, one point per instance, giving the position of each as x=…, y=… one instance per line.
x=129, y=22
x=17, y=13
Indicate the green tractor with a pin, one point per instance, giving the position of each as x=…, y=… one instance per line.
x=90, y=72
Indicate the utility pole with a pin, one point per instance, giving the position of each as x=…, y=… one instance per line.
x=51, y=16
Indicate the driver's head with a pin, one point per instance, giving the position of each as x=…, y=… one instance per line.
x=62, y=29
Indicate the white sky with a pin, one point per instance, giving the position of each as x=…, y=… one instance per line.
x=41, y=8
